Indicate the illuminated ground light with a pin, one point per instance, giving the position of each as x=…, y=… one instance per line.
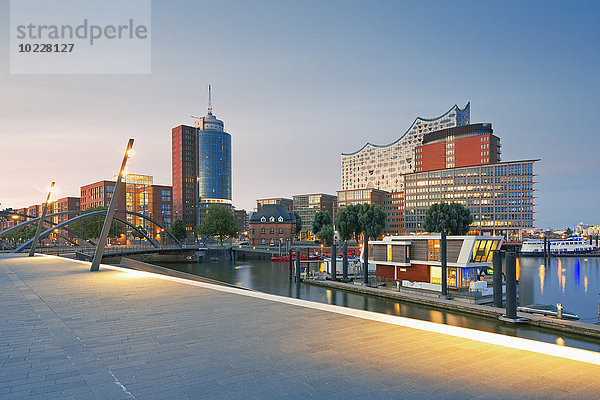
x=550, y=349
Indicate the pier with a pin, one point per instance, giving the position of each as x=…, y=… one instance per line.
x=124, y=334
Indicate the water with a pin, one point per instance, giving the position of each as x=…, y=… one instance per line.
x=572, y=281
x=273, y=278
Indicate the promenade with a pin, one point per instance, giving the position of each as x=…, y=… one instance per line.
x=115, y=334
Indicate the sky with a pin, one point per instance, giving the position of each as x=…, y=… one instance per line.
x=297, y=83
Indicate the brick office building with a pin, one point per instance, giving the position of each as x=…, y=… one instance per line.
x=185, y=186
x=458, y=147
x=98, y=194
x=307, y=205
x=272, y=224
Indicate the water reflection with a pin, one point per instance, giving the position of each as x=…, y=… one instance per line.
x=536, y=285
x=539, y=285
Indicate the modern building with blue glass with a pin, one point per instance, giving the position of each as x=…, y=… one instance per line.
x=201, y=168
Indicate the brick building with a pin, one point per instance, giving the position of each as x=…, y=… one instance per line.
x=98, y=194
x=458, y=147
x=185, y=185
x=241, y=217
x=307, y=205
x=272, y=224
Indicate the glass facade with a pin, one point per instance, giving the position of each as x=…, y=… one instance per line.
x=499, y=196
x=381, y=167
x=137, y=199
x=214, y=165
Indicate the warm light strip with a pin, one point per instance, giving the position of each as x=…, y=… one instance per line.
x=465, y=333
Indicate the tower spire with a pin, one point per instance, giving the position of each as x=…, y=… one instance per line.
x=209, y=101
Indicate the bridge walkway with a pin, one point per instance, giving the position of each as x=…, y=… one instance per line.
x=118, y=334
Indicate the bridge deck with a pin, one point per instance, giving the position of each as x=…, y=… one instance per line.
x=69, y=333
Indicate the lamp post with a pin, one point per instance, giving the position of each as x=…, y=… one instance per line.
x=111, y=211
x=39, y=226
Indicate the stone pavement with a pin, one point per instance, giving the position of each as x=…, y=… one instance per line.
x=69, y=333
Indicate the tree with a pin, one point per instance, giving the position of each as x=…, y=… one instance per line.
x=568, y=232
x=298, y=222
x=347, y=222
x=138, y=234
x=218, y=222
x=322, y=218
x=92, y=226
x=326, y=235
x=178, y=229
x=452, y=218
x=23, y=233
x=372, y=220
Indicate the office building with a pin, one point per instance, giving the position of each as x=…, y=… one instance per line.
x=99, y=194
x=307, y=205
x=500, y=196
x=184, y=171
x=458, y=147
x=241, y=217
x=392, y=203
x=201, y=167
x=445, y=159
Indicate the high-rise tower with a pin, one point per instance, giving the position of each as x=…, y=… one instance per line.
x=201, y=167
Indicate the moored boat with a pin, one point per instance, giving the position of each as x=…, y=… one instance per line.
x=573, y=245
x=549, y=310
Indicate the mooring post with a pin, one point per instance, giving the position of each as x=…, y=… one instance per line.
x=345, y=261
x=333, y=262
x=298, y=266
x=511, y=286
x=366, y=259
x=497, y=282
x=291, y=263
x=444, y=264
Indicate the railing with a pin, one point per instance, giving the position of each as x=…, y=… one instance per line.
x=55, y=250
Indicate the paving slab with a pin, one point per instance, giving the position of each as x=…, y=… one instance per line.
x=66, y=332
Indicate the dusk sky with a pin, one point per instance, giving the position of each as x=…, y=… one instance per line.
x=298, y=83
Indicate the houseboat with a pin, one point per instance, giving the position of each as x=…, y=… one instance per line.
x=416, y=259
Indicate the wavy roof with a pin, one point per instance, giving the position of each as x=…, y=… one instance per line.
x=453, y=108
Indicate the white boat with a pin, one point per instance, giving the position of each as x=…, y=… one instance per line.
x=549, y=310
x=572, y=245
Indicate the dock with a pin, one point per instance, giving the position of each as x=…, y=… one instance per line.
x=125, y=334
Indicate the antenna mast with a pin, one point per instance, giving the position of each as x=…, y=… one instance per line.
x=209, y=101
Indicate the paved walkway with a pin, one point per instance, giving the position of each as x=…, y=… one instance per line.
x=69, y=333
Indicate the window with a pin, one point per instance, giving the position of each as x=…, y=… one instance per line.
x=262, y=230
x=280, y=231
x=433, y=250
x=272, y=231
x=263, y=219
x=280, y=219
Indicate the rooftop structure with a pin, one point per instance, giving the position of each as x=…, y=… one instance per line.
x=380, y=166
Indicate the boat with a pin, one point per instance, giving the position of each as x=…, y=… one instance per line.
x=549, y=310
x=572, y=245
x=312, y=257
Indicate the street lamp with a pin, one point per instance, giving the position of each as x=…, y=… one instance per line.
x=111, y=210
